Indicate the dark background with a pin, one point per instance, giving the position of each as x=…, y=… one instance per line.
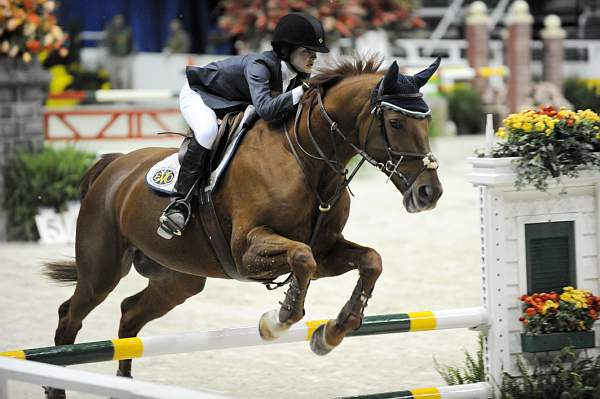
x=149, y=20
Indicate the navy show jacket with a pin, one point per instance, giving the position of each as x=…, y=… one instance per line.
x=235, y=82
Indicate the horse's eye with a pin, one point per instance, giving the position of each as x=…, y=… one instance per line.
x=395, y=123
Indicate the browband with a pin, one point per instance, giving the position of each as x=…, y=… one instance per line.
x=407, y=112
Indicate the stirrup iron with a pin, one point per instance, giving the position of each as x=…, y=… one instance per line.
x=170, y=227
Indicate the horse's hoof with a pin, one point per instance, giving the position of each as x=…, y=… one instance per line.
x=122, y=374
x=270, y=327
x=318, y=344
x=53, y=393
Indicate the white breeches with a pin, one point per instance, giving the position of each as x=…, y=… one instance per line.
x=201, y=119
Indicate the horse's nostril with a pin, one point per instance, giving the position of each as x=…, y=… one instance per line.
x=426, y=193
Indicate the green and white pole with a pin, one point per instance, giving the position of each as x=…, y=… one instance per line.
x=130, y=348
x=479, y=390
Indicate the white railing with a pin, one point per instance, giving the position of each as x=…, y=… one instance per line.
x=413, y=52
x=84, y=381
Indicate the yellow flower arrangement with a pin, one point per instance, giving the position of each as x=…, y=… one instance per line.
x=549, y=143
x=28, y=27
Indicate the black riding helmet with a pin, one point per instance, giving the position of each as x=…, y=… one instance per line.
x=298, y=29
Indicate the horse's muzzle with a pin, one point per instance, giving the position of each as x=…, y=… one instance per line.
x=422, y=197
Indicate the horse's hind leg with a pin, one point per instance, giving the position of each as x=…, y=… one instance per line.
x=166, y=289
x=270, y=251
x=99, y=269
x=98, y=273
x=346, y=256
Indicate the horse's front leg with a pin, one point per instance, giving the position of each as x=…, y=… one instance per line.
x=268, y=251
x=346, y=256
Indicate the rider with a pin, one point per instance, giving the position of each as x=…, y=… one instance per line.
x=272, y=81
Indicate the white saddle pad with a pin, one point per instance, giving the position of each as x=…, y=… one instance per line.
x=162, y=176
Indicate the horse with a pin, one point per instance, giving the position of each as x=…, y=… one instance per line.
x=282, y=203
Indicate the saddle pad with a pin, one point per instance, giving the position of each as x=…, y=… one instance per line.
x=163, y=175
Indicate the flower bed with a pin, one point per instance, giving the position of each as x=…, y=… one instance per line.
x=248, y=18
x=549, y=143
x=28, y=27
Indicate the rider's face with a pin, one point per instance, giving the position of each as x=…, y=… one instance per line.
x=303, y=59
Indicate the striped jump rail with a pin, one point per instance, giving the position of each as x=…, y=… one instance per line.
x=466, y=391
x=131, y=348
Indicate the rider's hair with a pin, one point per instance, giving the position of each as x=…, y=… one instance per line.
x=284, y=50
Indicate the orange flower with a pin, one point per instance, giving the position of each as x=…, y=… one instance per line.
x=530, y=311
x=33, y=45
x=33, y=18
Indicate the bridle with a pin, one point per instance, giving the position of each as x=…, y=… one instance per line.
x=379, y=102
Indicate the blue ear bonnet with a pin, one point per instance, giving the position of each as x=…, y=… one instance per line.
x=401, y=92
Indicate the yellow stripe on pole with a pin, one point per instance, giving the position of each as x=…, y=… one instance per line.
x=488, y=71
x=127, y=348
x=429, y=393
x=422, y=321
x=14, y=354
x=311, y=326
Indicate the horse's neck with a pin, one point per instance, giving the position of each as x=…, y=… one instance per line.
x=343, y=104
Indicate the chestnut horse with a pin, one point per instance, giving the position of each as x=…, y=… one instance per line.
x=282, y=178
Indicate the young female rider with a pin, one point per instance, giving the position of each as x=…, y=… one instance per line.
x=231, y=84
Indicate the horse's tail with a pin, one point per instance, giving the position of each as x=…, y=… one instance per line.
x=62, y=272
x=66, y=271
x=94, y=172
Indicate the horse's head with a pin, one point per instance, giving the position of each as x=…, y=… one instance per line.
x=396, y=136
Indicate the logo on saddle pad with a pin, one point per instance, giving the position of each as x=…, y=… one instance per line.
x=164, y=176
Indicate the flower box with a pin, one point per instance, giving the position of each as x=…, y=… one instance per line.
x=541, y=146
x=557, y=341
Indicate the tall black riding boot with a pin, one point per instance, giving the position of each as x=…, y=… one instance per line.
x=177, y=214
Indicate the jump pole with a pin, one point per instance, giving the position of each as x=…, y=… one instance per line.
x=465, y=391
x=131, y=348
x=120, y=95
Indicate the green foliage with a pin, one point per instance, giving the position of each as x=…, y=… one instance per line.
x=44, y=179
x=583, y=93
x=466, y=110
x=472, y=372
x=561, y=376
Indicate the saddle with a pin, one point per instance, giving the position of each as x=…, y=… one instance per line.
x=162, y=176
x=228, y=126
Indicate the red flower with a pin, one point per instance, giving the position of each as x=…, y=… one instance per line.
x=342, y=29
x=33, y=45
x=33, y=18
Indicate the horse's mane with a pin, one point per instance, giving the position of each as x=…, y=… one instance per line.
x=340, y=68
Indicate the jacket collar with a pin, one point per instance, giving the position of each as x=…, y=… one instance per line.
x=287, y=72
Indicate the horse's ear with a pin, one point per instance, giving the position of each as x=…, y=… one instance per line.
x=391, y=77
x=422, y=77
